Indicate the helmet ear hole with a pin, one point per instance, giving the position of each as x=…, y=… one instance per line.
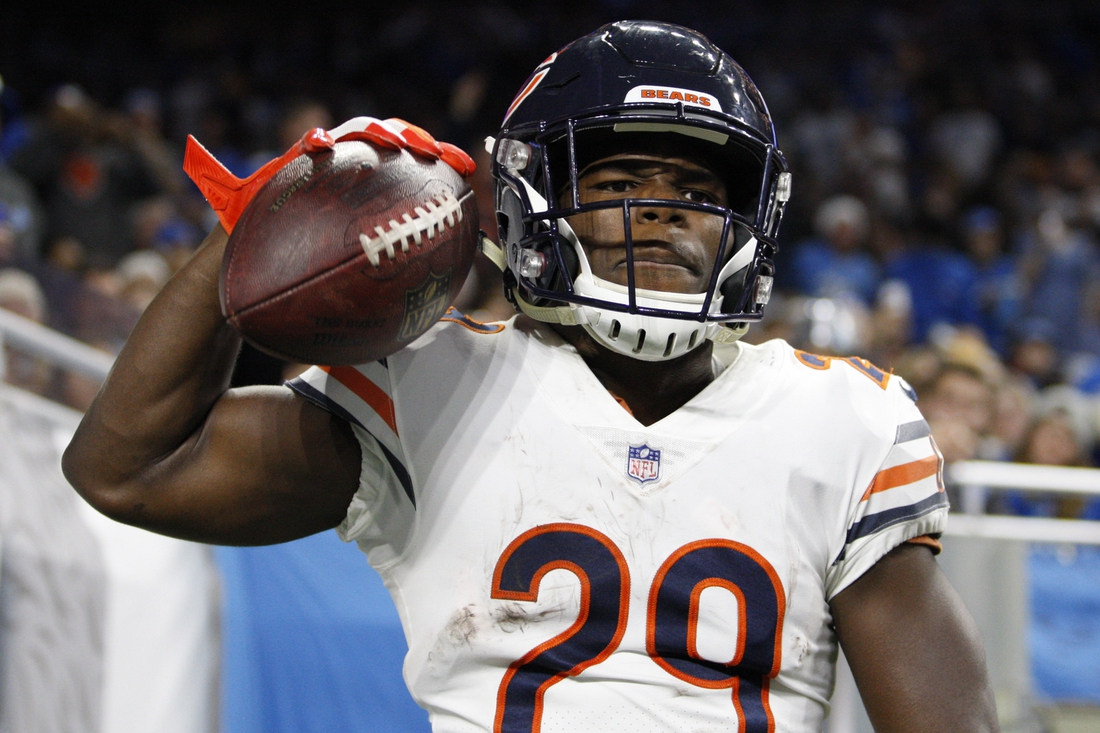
x=572, y=262
x=509, y=211
x=732, y=290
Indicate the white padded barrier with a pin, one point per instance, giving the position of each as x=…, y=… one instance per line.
x=124, y=621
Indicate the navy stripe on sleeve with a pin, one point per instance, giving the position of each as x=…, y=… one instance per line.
x=323, y=401
x=911, y=431
x=876, y=522
x=399, y=469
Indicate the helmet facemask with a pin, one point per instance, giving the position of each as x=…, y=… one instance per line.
x=552, y=274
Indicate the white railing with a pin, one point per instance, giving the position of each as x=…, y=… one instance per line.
x=976, y=478
x=58, y=348
x=1001, y=475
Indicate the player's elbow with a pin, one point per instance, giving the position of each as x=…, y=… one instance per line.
x=86, y=471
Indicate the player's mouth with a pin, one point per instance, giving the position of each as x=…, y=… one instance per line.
x=658, y=265
x=659, y=256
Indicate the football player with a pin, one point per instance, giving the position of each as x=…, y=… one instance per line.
x=606, y=514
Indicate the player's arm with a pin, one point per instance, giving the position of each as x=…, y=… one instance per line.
x=913, y=648
x=167, y=447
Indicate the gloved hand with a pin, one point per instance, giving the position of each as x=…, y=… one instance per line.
x=229, y=195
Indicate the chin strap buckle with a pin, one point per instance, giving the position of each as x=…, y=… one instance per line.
x=729, y=333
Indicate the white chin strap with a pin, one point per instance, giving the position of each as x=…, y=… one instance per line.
x=649, y=338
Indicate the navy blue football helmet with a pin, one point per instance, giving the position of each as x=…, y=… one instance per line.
x=636, y=85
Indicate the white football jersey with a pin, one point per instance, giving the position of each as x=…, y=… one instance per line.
x=558, y=566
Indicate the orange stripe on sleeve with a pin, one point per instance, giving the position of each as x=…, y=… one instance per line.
x=928, y=541
x=367, y=391
x=906, y=473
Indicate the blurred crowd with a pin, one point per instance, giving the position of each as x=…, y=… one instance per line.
x=945, y=159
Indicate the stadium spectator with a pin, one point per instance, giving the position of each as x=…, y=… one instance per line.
x=1061, y=272
x=20, y=213
x=21, y=294
x=20, y=219
x=966, y=138
x=140, y=123
x=1011, y=416
x=1034, y=355
x=161, y=225
x=940, y=282
x=877, y=159
x=892, y=323
x=8, y=243
x=299, y=115
x=1052, y=439
x=836, y=264
x=1078, y=412
x=822, y=132
x=141, y=275
x=959, y=404
x=67, y=253
x=997, y=282
x=87, y=173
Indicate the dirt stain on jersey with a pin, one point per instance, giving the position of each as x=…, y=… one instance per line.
x=802, y=648
x=462, y=626
x=512, y=617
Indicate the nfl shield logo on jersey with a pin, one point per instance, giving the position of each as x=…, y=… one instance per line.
x=643, y=464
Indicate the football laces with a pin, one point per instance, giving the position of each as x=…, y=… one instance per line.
x=439, y=213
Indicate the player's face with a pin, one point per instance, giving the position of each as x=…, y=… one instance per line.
x=674, y=249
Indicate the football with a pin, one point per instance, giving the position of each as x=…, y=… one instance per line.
x=348, y=254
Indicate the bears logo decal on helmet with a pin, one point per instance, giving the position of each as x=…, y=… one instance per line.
x=672, y=94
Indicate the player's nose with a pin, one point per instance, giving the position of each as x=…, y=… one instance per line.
x=658, y=215
x=659, y=188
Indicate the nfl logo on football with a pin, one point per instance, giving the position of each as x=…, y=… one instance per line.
x=643, y=464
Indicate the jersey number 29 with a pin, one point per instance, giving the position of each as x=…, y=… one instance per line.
x=671, y=626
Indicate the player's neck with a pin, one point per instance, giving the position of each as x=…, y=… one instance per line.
x=652, y=389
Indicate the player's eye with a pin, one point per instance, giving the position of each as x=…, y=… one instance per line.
x=700, y=196
x=618, y=185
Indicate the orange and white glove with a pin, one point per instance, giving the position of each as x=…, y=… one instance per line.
x=228, y=195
